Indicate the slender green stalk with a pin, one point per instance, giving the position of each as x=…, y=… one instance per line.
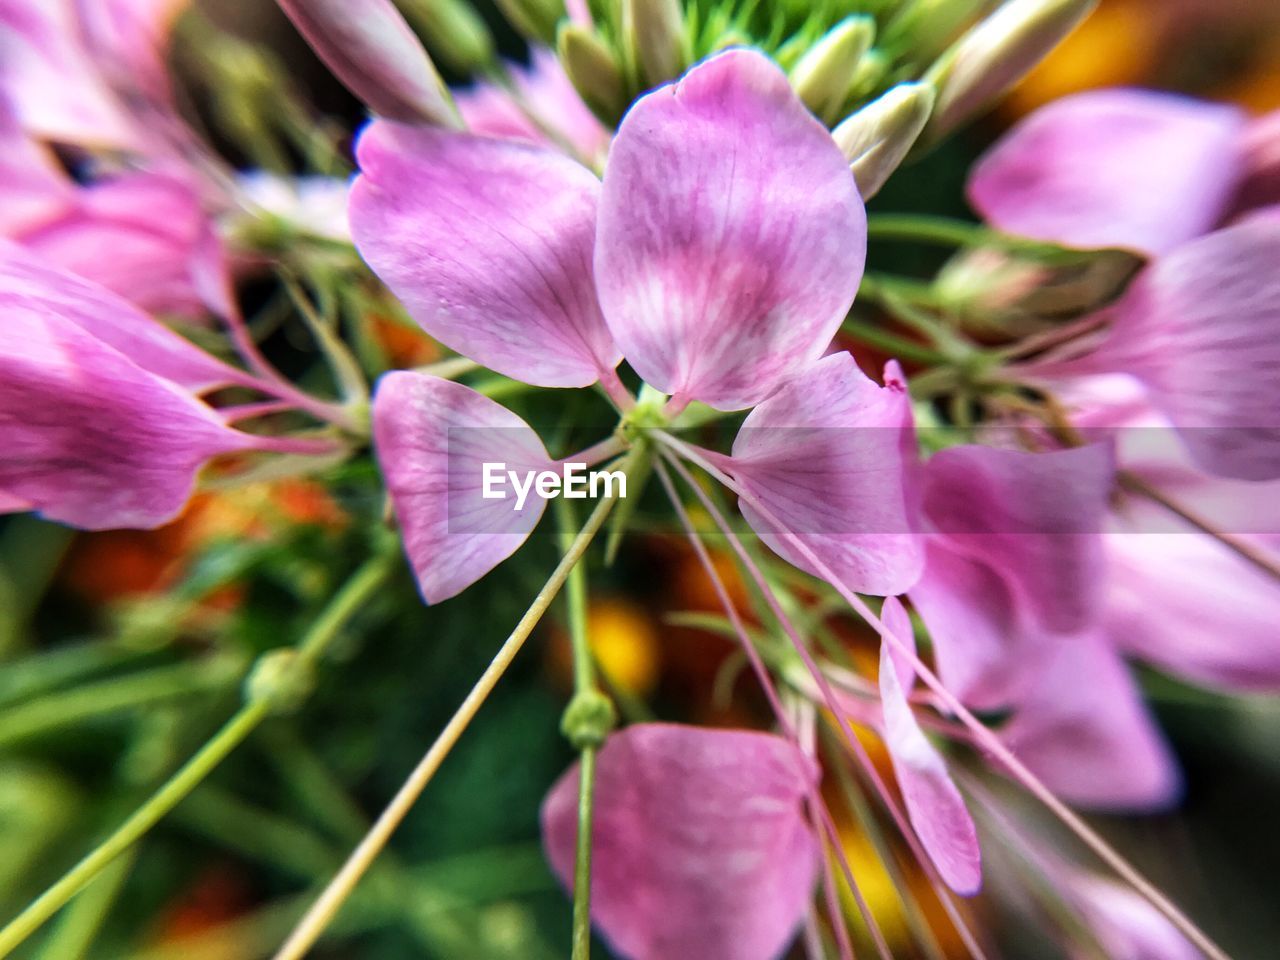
x=891, y=343
x=330, y=901
x=585, y=690
x=357, y=591
x=133, y=829
x=945, y=232
x=80, y=924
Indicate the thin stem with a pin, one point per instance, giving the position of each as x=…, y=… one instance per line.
x=606, y=449
x=775, y=702
x=987, y=739
x=232, y=734
x=584, y=685
x=326, y=907
x=855, y=745
x=950, y=233
x=79, y=926
x=1242, y=548
x=616, y=390
x=358, y=589
x=582, y=856
x=891, y=343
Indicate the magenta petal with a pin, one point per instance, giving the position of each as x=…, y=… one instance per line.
x=111, y=320
x=1035, y=517
x=1084, y=730
x=897, y=621
x=983, y=647
x=1127, y=926
x=700, y=846
x=433, y=439
x=488, y=244
x=1113, y=168
x=1201, y=328
x=1193, y=607
x=161, y=243
x=32, y=187
x=88, y=437
x=1261, y=186
x=937, y=811
x=826, y=455
x=732, y=237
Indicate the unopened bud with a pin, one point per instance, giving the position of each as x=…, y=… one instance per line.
x=536, y=19
x=282, y=679
x=588, y=719
x=370, y=48
x=824, y=77
x=996, y=54
x=453, y=31
x=877, y=137
x=654, y=33
x=594, y=71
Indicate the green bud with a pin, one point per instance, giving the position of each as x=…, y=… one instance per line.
x=594, y=71
x=877, y=137
x=282, y=679
x=453, y=31
x=654, y=35
x=824, y=77
x=588, y=719
x=536, y=19
x=996, y=54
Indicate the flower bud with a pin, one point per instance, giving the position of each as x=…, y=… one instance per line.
x=594, y=71
x=877, y=137
x=654, y=34
x=996, y=54
x=824, y=76
x=370, y=48
x=536, y=19
x=453, y=31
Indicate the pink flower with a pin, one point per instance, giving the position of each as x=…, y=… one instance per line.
x=544, y=109
x=719, y=256
x=701, y=848
x=99, y=423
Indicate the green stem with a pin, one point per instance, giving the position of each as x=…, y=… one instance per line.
x=949, y=233
x=891, y=343
x=582, y=858
x=232, y=734
x=82, y=921
x=342, y=885
x=360, y=588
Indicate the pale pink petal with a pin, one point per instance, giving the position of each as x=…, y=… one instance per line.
x=983, y=645
x=1035, y=517
x=1127, y=926
x=372, y=50
x=732, y=237
x=160, y=241
x=488, y=245
x=433, y=439
x=547, y=111
x=1193, y=607
x=1113, y=168
x=1201, y=328
x=51, y=79
x=827, y=455
x=32, y=188
x=128, y=40
x=700, y=846
x=1084, y=730
x=111, y=320
x=937, y=811
x=898, y=622
x=88, y=437
x=1261, y=186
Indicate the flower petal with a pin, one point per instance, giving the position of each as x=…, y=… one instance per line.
x=1201, y=328
x=827, y=455
x=1113, y=168
x=162, y=244
x=732, y=238
x=31, y=185
x=983, y=647
x=1127, y=926
x=1084, y=730
x=111, y=320
x=898, y=622
x=700, y=845
x=88, y=437
x=433, y=438
x=937, y=811
x=1035, y=517
x=488, y=244
x=1193, y=607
